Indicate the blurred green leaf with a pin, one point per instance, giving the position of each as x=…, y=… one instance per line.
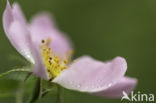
x=14, y=71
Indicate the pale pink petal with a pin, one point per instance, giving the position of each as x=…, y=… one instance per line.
x=18, y=14
x=7, y=17
x=42, y=21
x=126, y=84
x=89, y=75
x=20, y=40
x=16, y=30
x=39, y=68
x=42, y=27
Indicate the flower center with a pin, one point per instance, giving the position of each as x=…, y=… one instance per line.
x=54, y=64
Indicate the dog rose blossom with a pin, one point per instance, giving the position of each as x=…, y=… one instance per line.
x=50, y=51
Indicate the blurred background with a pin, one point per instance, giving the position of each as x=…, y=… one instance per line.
x=102, y=29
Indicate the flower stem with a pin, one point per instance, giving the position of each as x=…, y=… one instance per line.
x=36, y=91
x=19, y=94
x=59, y=94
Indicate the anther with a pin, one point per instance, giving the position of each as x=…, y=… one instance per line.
x=42, y=41
x=49, y=48
x=48, y=70
x=50, y=62
x=65, y=61
x=51, y=79
x=50, y=58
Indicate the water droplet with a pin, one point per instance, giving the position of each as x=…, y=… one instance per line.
x=98, y=86
x=87, y=87
x=71, y=82
x=110, y=84
x=78, y=85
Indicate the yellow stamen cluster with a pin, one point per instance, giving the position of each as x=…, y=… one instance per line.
x=54, y=65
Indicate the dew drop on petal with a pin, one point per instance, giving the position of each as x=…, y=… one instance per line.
x=78, y=85
x=71, y=83
x=98, y=86
x=87, y=87
x=99, y=81
x=109, y=85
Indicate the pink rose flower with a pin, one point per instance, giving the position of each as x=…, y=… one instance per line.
x=50, y=51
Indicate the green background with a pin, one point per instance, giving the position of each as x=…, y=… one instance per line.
x=102, y=29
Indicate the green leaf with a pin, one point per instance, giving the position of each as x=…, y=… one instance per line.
x=14, y=70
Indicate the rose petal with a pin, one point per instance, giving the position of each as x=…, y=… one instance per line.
x=20, y=42
x=126, y=84
x=16, y=30
x=42, y=21
x=18, y=14
x=42, y=27
x=89, y=75
x=7, y=17
x=39, y=67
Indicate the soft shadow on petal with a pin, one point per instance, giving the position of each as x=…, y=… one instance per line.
x=42, y=27
x=16, y=30
x=126, y=84
x=89, y=75
x=39, y=69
